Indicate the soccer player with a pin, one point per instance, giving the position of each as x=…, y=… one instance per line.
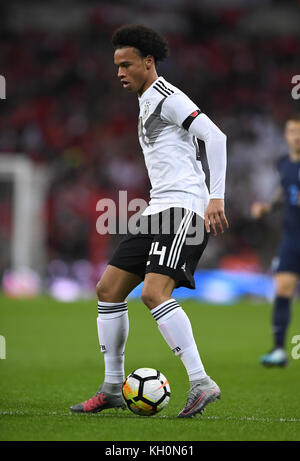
x=288, y=264
x=169, y=125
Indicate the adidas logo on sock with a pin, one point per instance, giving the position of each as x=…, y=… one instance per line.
x=176, y=349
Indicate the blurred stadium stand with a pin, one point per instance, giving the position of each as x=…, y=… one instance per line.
x=66, y=111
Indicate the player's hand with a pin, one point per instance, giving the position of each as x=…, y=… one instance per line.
x=215, y=216
x=259, y=209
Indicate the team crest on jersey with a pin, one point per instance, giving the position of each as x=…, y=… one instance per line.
x=146, y=109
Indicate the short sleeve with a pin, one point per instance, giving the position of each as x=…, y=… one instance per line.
x=177, y=108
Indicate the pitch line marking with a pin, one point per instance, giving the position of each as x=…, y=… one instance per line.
x=216, y=418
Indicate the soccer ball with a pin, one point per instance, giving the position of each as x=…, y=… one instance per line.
x=146, y=391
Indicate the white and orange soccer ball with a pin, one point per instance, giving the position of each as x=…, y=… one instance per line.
x=146, y=391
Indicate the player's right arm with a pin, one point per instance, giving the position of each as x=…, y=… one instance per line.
x=259, y=209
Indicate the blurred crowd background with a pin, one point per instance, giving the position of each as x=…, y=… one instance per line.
x=65, y=109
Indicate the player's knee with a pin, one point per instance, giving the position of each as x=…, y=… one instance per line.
x=103, y=292
x=109, y=292
x=284, y=288
x=151, y=297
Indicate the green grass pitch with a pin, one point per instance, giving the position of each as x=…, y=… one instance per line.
x=53, y=361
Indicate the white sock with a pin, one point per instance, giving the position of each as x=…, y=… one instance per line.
x=113, y=327
x=175, y=327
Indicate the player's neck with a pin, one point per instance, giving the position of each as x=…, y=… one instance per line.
x=295, y=156
x=151, y=79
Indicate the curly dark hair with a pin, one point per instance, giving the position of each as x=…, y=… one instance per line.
x=144, y=39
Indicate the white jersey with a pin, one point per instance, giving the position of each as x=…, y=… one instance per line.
x=170, y=150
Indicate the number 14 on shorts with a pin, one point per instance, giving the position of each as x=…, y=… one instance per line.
x=155, y=251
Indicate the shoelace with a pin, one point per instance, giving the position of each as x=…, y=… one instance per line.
x=192, y=395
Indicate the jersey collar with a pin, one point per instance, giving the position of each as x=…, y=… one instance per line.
x=146, y=93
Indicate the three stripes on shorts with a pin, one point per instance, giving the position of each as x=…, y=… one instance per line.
x=177, y=244
x=179, y=240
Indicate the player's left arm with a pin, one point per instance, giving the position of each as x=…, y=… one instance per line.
x=180, y=110
x=215, y=145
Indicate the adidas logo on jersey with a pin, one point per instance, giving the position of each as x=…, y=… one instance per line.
x=183, y=267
